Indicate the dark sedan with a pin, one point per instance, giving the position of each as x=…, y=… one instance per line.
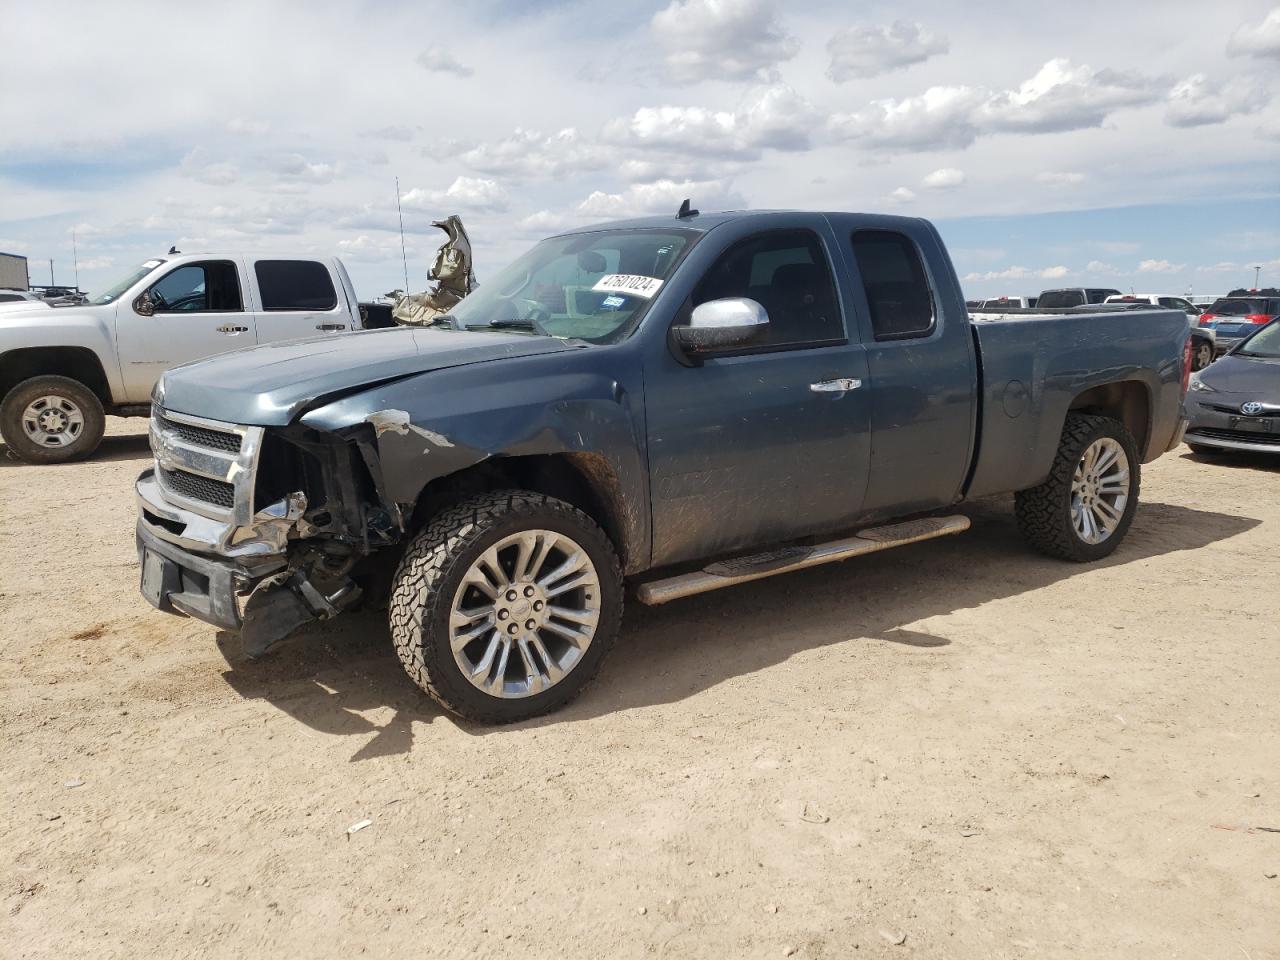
x=1234, y=404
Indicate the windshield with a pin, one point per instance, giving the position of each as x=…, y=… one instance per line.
x=1237, y=308
x=1264, y=343
x=1061, y=298
x=587, y=286
x=114, y=291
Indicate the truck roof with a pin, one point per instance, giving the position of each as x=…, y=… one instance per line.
x=703, y=222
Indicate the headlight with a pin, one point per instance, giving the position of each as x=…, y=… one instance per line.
x=1199, y=386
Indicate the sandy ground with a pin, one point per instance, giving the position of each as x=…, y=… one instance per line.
x=959, y=743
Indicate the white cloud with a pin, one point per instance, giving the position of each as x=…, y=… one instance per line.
x=1160, y=266
x=528, y=153
x=96, y=263
x=1262, y=40
x=1097, y=266
x=1065, y=97
x=946, y=178
x=940, y=117
x=661, y=197
x=544, y=221
x=722, y=39
x=1063, y=178
x=871, y=51
x=901, y=195
x=10, y=245
x=770, y=117
x=438, y=59
x=466, y=193
x=295, y=166
x=1198, y=101
x=1059, y=97
x=1022, y=273
x=197, y=165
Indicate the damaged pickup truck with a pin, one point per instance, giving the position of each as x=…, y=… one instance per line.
x=679, y=404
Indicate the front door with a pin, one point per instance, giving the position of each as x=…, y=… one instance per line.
x=198, y=312
x=768, y=444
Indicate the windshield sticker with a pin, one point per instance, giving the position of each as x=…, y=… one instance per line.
x=629, y=283
x=152, y=264
x=612, y=302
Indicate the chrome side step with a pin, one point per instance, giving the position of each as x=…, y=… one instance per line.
x=726, y=573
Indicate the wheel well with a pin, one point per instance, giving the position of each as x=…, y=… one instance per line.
x=1128, y=401
x=77, y=363
x=584, y=480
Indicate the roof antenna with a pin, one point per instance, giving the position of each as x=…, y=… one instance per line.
x=685, y=211
x=173, y=250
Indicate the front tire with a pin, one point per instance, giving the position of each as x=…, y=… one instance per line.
x=505, y=606
x=1202, y=355
x=51, y=420
x=1084, y=509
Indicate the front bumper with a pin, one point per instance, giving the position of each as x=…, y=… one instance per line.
x=177, y=581
x=233, y=577
x=1227, y=429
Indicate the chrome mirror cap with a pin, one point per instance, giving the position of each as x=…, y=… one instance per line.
x=723, y=324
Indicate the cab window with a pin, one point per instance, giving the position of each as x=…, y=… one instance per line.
x=897, y=289
x=212, y=286
x=787, y=273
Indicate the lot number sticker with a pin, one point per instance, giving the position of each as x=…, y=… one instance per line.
x=628, y=283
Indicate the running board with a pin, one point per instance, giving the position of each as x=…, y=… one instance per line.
x=726, y=573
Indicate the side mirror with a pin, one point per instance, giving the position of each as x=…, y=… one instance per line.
x=143, y=306
x=722, y=325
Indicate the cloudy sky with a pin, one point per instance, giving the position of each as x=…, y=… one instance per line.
x=1123, y=144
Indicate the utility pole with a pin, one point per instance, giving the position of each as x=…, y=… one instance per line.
x=75, y=258
x=1257, y=272
x=51, y=281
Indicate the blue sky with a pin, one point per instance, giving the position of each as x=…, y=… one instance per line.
x=1050, y=152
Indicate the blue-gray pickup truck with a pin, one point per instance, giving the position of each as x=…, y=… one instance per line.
x=673, y=404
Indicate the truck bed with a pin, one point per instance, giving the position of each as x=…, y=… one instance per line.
x=1034, y=366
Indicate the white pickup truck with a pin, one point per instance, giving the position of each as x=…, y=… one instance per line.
x=62, y=369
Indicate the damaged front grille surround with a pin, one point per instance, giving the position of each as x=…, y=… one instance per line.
x=206, y=466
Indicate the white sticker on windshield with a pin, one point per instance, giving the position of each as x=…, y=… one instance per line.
x=628, y=283
x=152, y=264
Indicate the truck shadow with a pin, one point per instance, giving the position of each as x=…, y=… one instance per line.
x=328, y=674
x=125, y=447
x=1269, y=462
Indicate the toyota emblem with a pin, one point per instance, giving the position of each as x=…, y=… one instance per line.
x=1251, y=409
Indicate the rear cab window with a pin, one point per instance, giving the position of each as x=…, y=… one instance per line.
x=895, y=283
x=298, y=285
x=1056, y=299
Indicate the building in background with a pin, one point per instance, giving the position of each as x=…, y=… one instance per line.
x=13, y=272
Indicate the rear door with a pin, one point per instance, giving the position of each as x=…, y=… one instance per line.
x=199, y=311
x=296, y=299
x=920, y=357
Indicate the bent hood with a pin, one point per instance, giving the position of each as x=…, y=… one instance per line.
x=272, y=384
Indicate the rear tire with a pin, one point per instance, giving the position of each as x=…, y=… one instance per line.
x=480, y=613
x=51, y=420
x=1202, y=354
x=1084, y=509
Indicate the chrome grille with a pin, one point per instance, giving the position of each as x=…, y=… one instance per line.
x=204, y=465
x=192, y=485
x=201, y=437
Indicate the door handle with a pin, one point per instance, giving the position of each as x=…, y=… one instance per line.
x=843, y=385
x=331, y=326
x=232, y=329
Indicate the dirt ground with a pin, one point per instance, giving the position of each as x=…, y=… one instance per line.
x=957, y=749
